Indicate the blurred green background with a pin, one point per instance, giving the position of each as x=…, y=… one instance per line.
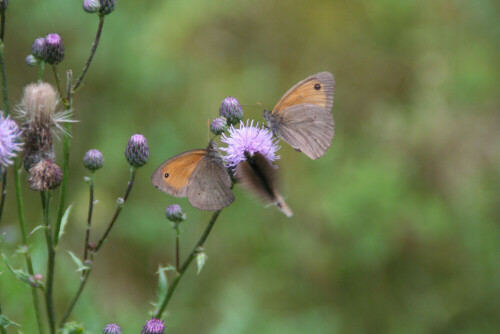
x=396, y=229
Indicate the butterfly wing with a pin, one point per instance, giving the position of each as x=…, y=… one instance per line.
x=172, y=177
x=209, y=187
x=307, y=128
x=317, y=89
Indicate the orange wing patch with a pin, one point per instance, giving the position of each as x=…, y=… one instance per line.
x=309, y=91
x=178, y=170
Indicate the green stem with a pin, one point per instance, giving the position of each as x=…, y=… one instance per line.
x=64, y=184
x=100, y=243
x=58, y=84
x=24, y=236
x=4, y=80
x=3, y=189
x=177, y=247
x=41, y=67
x=89, y=217
x=186, y=264
x=118, y=209
x=92, y=53
x=50, y=263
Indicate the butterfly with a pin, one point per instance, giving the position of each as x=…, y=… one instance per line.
x=256, y=174
x=198, y=175
x=303, y=117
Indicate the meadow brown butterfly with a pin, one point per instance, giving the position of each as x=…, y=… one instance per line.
x=258, y=176
x=303, y=116
x=198, y=175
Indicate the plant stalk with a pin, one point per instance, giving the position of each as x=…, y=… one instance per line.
x=50, y=263
x=186, y=264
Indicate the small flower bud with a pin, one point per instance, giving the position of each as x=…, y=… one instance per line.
x=120, y=201
x=107, y=6
x=31, y=60
x=153, y=326
x=93, y=160
x=175, y=214
x=38, y=47
x=45, y=175
x=231, y=110
x=88, y=263
x=218, y=125
x=91, y=6
x=53, y=52
x=137, y=151
x=38, y=277
x=4, y=4
x=112, y=329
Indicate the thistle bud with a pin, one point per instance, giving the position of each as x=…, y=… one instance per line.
x=91, y=6
x=107, y=6
x=38, y=277
x=137, y=151
x=120, y=201
x=38, y=47
x=153, y=326
x=31, y=60
x=175, y=214
x=45, y=175
x=93, y=160
x=218, y=125
x=53, y=52
x=231, y=110
x=112, y=329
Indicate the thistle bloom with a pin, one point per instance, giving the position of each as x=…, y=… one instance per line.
x=10, y=144
x=231, y=110
x=251, y=139
x=31, y=60
x=218, y=125
x=175, y=214
x=112, y=329
x=137, y=151
x=153, y=326
x=53, y=51
x=93, y=160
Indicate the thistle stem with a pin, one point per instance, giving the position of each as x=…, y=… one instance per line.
x=75, y=298
x=186, y=264
x=92, y=53
x=2, y=24
x=50, y=263
x=58, y=84
x=3, y=176
x=177, y=247
x=89, y=216
x=41, y=67
x=118, y=209
x=99, y=245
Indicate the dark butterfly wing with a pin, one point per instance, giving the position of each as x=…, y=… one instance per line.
x=257, y=175
x=209, y=186
x=307, y=128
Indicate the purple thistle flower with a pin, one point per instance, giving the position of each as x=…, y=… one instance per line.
x=37, y=47
x=53, y=52
x=137, y=151
x=10, y=144
x=107, y=6
x=153, y=326
x=93, y=160
x=91, y=6
x=251, y=139
x=231, y=110
x=218, y=125
x=175, y=214
x=112, y=329
x=31, y=60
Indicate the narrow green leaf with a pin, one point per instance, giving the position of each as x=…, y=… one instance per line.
x=21, y=275
x=5, y=322
x=39, y=227
x=64, y=221
x=78, y=262
x=201, y=258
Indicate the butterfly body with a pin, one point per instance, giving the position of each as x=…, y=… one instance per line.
x=198, y=175
x=303, y=117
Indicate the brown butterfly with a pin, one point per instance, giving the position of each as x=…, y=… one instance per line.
x=258, y=176
x=303, y=116
x=198, y=175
